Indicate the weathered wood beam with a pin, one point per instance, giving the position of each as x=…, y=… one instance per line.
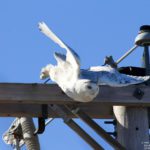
x=34, y=110
x=17, y=99
x=51, y=94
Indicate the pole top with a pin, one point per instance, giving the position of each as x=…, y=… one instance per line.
x=143, y=37
x=145, y=28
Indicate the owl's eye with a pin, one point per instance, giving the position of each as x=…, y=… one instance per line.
x=89, y=87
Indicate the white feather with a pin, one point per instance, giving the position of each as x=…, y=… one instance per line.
x=71, y=55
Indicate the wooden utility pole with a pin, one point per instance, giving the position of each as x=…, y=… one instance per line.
x=132, y=127
x=132, y=122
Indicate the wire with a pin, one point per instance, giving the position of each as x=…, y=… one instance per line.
x=49, y=121
x=46, y=80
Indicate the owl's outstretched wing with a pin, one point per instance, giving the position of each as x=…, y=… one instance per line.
x=71, y=56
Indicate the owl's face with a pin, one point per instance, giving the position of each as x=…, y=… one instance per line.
x=86, y=90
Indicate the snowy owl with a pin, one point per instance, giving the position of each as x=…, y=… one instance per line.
x=81, y=84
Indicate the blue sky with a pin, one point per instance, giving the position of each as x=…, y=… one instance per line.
x=93, y=28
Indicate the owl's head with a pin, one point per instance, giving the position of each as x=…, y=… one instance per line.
x=86, y=90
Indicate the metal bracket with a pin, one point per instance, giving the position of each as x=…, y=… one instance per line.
x=138, y=93
x=62, y=112
x=113, y=122
x=113, y=133
x=98, y=129
x=41, y=120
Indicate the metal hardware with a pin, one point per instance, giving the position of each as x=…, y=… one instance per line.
x=41, y=120
x=126, y=54
x=75, y=127
x=138, y=93
x=99, y=130
x=143, y=38
x=113, y=122
x=112, y=133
